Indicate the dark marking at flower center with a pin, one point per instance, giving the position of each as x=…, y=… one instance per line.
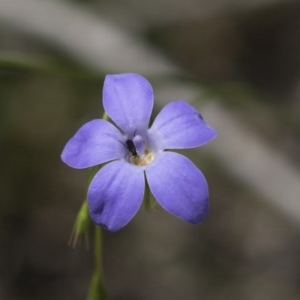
x=200, y=116
x=131, y=147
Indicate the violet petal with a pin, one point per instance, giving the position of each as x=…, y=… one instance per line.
x=180, y=126
x=128, y=100
x=115, y=194
x=178, y=186
x=96, y=142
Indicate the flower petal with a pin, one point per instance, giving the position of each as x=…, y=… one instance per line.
x=179, y=126
x=96, y=142
x=128, y=100
x=178, y=186
x=115, y=194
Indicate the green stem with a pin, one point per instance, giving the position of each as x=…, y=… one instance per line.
x=96, y=290
x=98, y=251
x=105, y=116
x=149, y=201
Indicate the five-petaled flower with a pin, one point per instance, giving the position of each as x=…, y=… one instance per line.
x=133, y=152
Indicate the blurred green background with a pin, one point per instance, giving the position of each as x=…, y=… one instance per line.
x=243, y=57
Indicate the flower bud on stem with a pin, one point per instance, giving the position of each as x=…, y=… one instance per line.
x=80, y=232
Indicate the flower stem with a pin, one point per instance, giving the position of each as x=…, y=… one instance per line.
x=98, y=249
x=96, y=290
x=149, y=201
x=105, y=116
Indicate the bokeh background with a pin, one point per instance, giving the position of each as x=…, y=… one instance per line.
x=237, y=61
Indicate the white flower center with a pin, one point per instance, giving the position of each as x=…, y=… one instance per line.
x=139, y=152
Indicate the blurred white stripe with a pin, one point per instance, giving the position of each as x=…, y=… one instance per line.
x=88, y=38
x=251, y=160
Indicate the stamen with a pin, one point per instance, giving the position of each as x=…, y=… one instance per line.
x=142, y=160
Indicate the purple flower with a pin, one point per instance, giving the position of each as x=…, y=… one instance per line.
x=134, y=152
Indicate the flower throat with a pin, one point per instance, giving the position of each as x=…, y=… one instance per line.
x=138, y=154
